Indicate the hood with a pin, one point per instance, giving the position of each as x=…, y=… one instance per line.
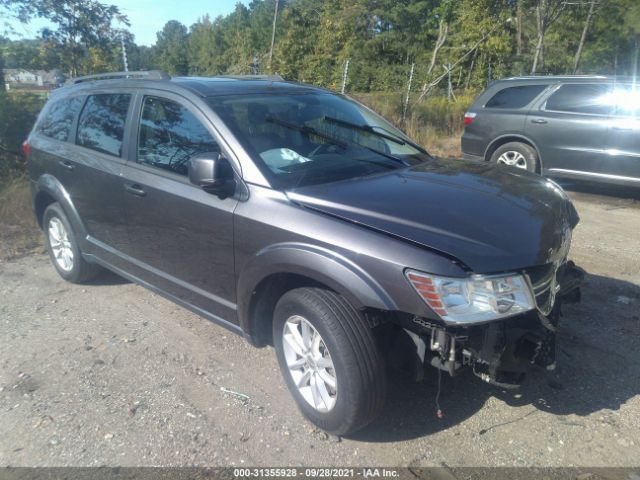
x=490, y=218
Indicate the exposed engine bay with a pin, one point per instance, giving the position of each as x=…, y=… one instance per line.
x=499, y=352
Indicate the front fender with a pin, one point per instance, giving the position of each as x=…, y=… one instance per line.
x=47, y=186
x=316, y=263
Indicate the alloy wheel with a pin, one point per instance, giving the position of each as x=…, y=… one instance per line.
x=309, y=363
x=514, y=159
x=60, y=244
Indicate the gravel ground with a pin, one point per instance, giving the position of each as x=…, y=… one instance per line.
x=111, y=374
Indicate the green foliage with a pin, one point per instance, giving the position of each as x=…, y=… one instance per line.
x=18, y=112
x=171, y=48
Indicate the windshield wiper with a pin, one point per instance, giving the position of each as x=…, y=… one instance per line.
x=367, y=128
x=372, y=129
x=306, y=130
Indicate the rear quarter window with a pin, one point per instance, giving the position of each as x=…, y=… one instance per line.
x=581, y=98
x=515, y=97
x=58, y=119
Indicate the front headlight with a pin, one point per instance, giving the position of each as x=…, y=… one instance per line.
x=474, y=299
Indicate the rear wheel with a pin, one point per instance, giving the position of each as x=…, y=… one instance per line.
x=63, y=248
x=329, y=359
x=516, y=154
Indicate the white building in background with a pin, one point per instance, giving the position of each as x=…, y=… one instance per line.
x=20, y=78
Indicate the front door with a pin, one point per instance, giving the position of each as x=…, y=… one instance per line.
x=181, y=237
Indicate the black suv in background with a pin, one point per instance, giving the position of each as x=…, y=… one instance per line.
x=298, y=218
x=580, y=127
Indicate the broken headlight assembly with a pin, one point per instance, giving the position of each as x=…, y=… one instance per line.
x=473, y=299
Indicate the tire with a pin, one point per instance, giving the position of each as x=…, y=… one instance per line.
x=357, y=364
x=56, y=224
x=522, y=155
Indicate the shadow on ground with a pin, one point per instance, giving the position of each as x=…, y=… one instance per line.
x=598, y=368
x=107, y=277
x=592, y=188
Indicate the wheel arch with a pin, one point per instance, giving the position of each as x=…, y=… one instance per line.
x=280, y=268
x=512, y=137
x=48, y=190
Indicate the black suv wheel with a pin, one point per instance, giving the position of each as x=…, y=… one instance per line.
x=330, y=360
x=516, y=154
x=63, y=247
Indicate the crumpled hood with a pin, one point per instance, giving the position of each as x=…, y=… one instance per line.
x=491, y=218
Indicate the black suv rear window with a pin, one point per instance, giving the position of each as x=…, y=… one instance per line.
x=580, y=98
x=515, y=97
x=101, y=124
x=58, y=119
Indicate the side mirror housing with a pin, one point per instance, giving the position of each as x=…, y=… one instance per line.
x=213, y=173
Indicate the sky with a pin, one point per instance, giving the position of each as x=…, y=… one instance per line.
x=149, y=16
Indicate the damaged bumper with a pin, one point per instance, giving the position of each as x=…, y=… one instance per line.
x=500, y=352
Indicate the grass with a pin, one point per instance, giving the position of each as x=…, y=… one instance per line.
x=19, y=233
x=435, y=123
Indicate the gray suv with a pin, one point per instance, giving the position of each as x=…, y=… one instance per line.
x=300, y=219
x=573, y=127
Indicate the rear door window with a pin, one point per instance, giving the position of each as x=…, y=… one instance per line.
x=591, y=99
x=515, y=97
x=58, y=120
x=102, y=122
x=170, y=135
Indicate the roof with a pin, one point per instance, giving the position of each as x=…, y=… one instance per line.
x=214, y=86
x=566, y=78
x=201, y=86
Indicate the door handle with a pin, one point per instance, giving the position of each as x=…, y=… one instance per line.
x=538, y=120
x=66, y=164
x=135, y=189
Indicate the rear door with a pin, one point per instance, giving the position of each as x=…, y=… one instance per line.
x=96, y=166
x=502, y=113
x=623, y=143
x=181, y=237
x=570, y=127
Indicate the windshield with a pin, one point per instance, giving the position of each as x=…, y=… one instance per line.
x=306, y=139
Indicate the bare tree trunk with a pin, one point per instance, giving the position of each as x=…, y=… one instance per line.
x=519, y=28
x=539, y=56
x=587, y=22
x=273, y=34
x=443, y=30
x=547, y=12
x=473, y=62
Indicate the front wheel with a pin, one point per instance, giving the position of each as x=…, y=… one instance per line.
x=329, y=359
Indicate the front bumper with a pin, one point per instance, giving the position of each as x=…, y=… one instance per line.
x=499, y=352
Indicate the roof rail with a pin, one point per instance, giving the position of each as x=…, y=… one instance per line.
x=149, y=75
x=551, y=77
x=273, y=78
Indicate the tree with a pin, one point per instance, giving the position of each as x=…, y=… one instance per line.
x=172, y=48
x=547, y=12
x=80, y=25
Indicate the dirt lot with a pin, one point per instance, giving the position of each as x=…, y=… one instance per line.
x=111, y=374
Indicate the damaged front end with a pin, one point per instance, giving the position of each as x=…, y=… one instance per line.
x=501, y=351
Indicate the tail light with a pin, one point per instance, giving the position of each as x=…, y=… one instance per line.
x=468, y=118
x=26, y=149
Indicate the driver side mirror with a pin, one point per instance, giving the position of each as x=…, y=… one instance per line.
x=213, y=173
